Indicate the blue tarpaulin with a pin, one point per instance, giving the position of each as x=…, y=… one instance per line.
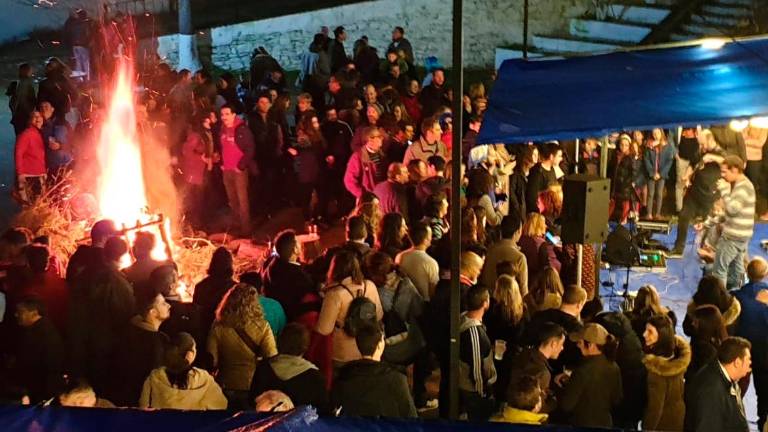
x=579, y=97
x=302, y=419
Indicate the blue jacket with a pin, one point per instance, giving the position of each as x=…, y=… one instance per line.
x=666, y=158
x=753, y=321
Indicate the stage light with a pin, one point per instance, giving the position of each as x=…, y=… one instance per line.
x=713, y=43
x=759, y=122
x=739, y=125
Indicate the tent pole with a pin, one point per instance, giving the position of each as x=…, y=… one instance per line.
x=576, y=156
x=579, y=262
x=525, y=29
x=599, y=248
x=455, y=305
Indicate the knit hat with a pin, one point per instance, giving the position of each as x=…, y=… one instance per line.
x=592, y=333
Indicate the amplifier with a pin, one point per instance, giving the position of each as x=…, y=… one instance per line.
x=654, y=226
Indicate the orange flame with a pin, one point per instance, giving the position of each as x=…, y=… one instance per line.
x=121, y=190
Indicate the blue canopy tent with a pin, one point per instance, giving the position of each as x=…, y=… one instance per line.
x=665, y=86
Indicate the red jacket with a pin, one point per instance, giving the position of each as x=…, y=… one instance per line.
x=30, y=153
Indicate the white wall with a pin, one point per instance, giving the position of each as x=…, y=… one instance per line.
x=487, y=25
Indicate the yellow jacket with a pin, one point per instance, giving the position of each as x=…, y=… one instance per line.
x=518, y=416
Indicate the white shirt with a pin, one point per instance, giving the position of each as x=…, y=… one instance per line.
x=420, y=268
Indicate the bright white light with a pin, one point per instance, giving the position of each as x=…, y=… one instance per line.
x=759, y=122
x=713, y=43
x=739, y=125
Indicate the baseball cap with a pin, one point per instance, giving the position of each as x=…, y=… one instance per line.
x=592, y=333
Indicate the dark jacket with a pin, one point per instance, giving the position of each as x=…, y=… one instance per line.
x=731, y=141
x=374, y=389
x=518, y=183
x=185, y=317
x=629, y=357
x=432, y=98
x=592, y=393
x=338, y=55
x=294, y=376
x=140, y=350
x=571, y=355
x=539, y=180
x=623, y=179
x=208, y=295
x=753, y=320
x=529, y=362
x=39, y=360
x=288, y=284
x=665, y=409
x=702, y=353
x=477, y=372
x=711, y=403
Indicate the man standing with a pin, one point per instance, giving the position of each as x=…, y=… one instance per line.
x=416, y=263
x=339, y=58
x=753, y=326
x=712, y=397
x=435, y=95
x=237, y=149
x=543, y=174
x=429, y=144
x=367, y=166
x=392, y=192
x=534, y=362
x=268, y=143
x=338, y=135
x=77, y=30
x=506, y=251
x=400, y=43
x=738, y=195
x=702, y=192
x=477, y=372
x=284, y=279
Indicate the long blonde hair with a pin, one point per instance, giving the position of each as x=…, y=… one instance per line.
x=507, y=294
x=535, y=225
x=548, y=282
x=240, y=307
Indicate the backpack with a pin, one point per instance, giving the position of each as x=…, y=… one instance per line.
x=361, y=312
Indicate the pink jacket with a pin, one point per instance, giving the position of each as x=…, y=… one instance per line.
x=30, y=153
x=361, y=173
x=192, y=164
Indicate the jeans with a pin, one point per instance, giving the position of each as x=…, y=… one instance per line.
x=729, y=261
x=655, y=196
x=682, y=168
x=236, y=185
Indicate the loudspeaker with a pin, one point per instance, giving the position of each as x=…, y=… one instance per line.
x=585, y=209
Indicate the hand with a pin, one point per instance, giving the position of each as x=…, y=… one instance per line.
x=216, y=158
x=562, y=379
x=292, y=151
x=699, y=226
x=657, y=177
x=54, y=145
x=330, y=159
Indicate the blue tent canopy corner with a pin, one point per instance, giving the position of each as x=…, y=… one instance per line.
x=540, y=100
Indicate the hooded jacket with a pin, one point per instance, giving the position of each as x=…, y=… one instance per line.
x=665, y=409
x=370, y=388
x=202, y=392
x=476, y=368
x=293, y=375
x=730, y=316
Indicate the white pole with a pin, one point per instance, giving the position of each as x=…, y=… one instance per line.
x=579, y=262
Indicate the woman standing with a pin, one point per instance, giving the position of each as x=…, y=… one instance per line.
x=667, y=358
x=369, y=209
x=505, y=318
x=345, y=282
x=392, y=237
x=623, y=180
x=546, y=292
x=711, y=290
x=708, y=332
x=30, y=160
x=196, y=161
x=239, y=337
x=659, y=156
x=307, y=153
x=210, y=291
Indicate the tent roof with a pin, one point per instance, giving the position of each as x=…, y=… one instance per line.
x=579, y=97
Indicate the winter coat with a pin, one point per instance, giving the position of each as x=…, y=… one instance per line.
x=665, y=409
x=659, y=158
x=502, y=251
x=233, y=356
x=518, y=416
x=334, y=311
x=361, y=173
x=592, y=392
x=141, y=349
x=289, y=284
x=711, y=403
x=623, y=178
x=529, y=362
x=730, y=317
x=403, y=307
x=30, y=153
x=245, y=142
x=192, y=164
x=39, y=360
x=373, y=389
x=202, y=392
x=423, y=150
x=208, y=295
x=753, y=320
x=294, y=376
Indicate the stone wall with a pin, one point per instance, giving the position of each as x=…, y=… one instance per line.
x=487, y=25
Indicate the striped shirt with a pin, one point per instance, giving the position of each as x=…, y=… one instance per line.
x=739, y=200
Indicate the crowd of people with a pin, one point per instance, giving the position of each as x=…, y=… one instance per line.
x=361, y=328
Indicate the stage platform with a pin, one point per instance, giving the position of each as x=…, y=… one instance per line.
x=677, y=284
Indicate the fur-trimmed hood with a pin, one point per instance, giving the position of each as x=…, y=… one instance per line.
x=729, y=316
x=670, y=366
